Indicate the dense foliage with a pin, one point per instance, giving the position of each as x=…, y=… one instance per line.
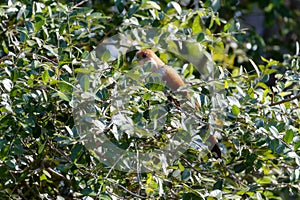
x=47, y=54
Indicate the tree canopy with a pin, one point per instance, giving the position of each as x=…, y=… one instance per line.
x=80, y=119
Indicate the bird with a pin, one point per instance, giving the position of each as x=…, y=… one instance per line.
x=173, y=81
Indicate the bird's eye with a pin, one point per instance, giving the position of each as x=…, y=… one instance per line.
x=144, y=55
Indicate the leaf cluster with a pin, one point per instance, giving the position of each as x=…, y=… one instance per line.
x=52, y=77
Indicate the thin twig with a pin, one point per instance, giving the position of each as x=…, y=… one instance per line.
x=79, y=4
x=125, y=189
x=285, y=100
x=42, y=57
x=5, y=58
x=29, y=54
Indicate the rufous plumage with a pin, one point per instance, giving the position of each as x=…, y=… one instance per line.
x=174, y=82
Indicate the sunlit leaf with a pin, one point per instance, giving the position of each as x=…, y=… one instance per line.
x=197, y=25
x=255, y=67
x=39, y=22
x=289, y=136
x=176, y=6
x=235, y=110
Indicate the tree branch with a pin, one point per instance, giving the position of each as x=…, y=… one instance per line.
x=79, y=4
x=285, y=100
x=5, y=58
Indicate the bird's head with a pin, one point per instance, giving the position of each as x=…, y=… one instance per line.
x=148, y=55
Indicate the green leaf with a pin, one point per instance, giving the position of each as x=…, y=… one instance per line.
x=62, y=28
x=226, y=84
x=188, y=71
x=76, y=152
x=41, y=148
x=83, y=70
x=7, y=83
x=200, y=37
x=88, y=191
x=105, y=56
x=23, y=34
x=227, y=27
x=235, y=110
x=150, y=5
x=274, y=131
x=64, y=86
x=255, y=67
x=264, y=180
x=45, y=76
x=240, y=167
x=39, y=22
x=273, y=144
x=250, y=92
x=155, y=86
x=105, y=197
x=147, y=96
x=289, y=136
x=43, y=177
x=120, y=6
x=4, y=47
x=216, y=4
x=196, y=27
x=51, y=49
x=132, y=10
x=185, y=175
x=137, y=117
x=67, y=68
x=21, y=12
x=181, y=167
x=263, y=85
x=63, y=96
x=103, y=94
x=85, y=83
x=47, y=173
x=176, y=6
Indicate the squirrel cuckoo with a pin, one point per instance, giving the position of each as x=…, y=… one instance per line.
x=173, y=81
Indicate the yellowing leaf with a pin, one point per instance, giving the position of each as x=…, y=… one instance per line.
x=196, y=28
x=226, y=84
x=235, y=110
x=181, y=167
x=149, y=190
